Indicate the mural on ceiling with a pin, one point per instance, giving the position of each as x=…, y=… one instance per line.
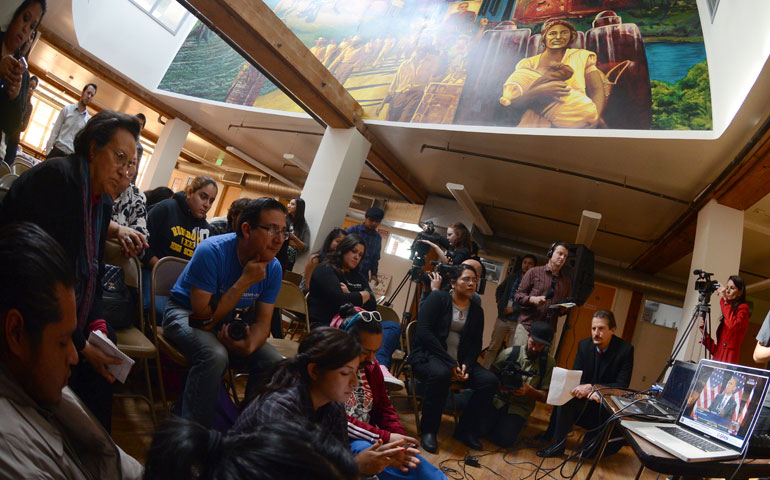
x=618, y=64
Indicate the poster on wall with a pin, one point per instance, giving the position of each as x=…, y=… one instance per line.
x=580, y=64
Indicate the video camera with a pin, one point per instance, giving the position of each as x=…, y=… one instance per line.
x=512, y=375
x=419, y=250
x=704, y=285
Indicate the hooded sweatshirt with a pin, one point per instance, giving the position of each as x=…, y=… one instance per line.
x=174, y=231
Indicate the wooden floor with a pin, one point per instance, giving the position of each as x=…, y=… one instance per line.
x=132, y=431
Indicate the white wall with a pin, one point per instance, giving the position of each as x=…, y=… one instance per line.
x=127, y=39
x=737, y=47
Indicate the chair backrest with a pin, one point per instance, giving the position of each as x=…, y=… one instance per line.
x=7, y=181
x=132, y=272
x=291, y=298
x=164, y=275
x=292, y=277
x=388, y=314
x=4, y=169
x=411, y=329
x=18, y=168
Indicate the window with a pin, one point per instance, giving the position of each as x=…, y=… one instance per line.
x=661, y=314
x=46, y=104
x=148, y=148
x=494, y=269
x=166, y=12
x=399, y=246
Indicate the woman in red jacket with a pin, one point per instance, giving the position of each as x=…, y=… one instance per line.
x=733, y=324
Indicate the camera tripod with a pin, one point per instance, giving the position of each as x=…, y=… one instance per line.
x=702, y=311
x=412, y=303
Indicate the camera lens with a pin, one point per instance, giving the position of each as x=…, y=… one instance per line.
x=237, y=330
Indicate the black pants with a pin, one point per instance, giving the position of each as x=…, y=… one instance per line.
x=503, y=428
x=276, y=324
x=93, y=389
x=437, y=379
x=568, y=415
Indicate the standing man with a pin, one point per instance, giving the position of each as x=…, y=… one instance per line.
x=227, y=272
x=71, y=120
x=540, y=288
x=373, y=241
x=606, y=361
x=507, y=309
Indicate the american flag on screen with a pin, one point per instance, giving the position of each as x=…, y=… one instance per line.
x=714, y=386
x=745, y=407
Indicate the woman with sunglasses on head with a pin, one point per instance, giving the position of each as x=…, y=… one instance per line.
x=314, y=385
x=330, y=244
x=371, y=416
x=336, y=282
x=445, y=348
x=733, y=324
x=71, y=199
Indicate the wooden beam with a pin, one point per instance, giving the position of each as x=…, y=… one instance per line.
x=253, y=29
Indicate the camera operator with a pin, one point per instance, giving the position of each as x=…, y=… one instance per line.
x=733, y=324
x=459, y=239
x=525, y=374
x=227, y=272
x=441, y=276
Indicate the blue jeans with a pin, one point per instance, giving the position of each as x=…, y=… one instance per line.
x=209, y=360
x=424, y=471
x=391, y=331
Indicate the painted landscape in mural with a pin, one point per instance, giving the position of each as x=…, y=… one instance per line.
x=617, y=64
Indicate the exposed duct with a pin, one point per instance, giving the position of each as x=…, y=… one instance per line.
x=251, y=182
x=661, y=289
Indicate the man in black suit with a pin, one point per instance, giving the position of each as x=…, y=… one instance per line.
x=606, y=361
x=724, y=404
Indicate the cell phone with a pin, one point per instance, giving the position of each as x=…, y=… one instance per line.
x=20, y=58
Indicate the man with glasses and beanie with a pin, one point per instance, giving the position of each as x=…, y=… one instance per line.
x=525, y=375
x=235, y=274
x=540, y=288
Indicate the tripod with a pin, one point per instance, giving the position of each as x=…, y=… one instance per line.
x=702, y=311
x=411, y=277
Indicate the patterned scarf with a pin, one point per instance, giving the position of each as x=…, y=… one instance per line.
x=88, y=261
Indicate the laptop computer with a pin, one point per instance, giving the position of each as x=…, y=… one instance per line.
x=671, y=399
x=718, y=418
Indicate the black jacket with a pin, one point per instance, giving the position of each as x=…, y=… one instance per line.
x=614, y=365
x=433, y=325
x=50, y=195
x=503, y=293
x=174, y=231
x=12, y=111
x=326, y=297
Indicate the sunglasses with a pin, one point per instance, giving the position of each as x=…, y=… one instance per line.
x=366, y=317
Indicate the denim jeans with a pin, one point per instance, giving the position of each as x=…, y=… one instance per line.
x=209, y=360
x=391, y=331
x=424, y=471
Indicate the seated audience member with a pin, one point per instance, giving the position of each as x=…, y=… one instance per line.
x=157, y=195
x=221, y=225
x=445, y=349
x=733, y=324
x=336, y=281
x=14, y=76
x=273, y=451
x=507, y=309
x=459, y=238
x=540, y=288
x=371, y=416
x=372, y=241
x=177, y=226
x=130, y=209
x=71, y=199
x=606, y=361
x=513, y=407
x=330, y=243
x=314, y=386
x=299, y=235
x=227, y=272
x=436, y=282
x=47, y=432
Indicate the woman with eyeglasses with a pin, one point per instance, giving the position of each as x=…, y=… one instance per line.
x=330, y=243
x=336, y=282
x=445, y=348
x=71, y=199
x=733, y=324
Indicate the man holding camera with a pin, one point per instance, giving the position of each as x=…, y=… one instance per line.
x=231, y=276
x=525, y=374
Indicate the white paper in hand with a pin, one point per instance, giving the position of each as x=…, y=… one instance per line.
x=562, y=383
x=120, y=371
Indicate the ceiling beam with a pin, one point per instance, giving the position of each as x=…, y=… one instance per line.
x=742, y=184
x=253, y=29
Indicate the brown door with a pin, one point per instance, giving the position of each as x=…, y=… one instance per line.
x=578, y=325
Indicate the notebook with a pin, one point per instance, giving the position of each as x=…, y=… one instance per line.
x=671, y=399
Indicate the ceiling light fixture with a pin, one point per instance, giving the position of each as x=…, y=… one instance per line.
x=246, y=158
x=469, y=206
x=589, y=224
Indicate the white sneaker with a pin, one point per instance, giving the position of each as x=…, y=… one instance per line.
x=391, y=383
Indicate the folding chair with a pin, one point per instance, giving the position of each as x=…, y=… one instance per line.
x=414, y=399
x=293, y=305
x=292, y=277
x=4, y=169
x=6, y=182
x=19, y=167
x=132, y=341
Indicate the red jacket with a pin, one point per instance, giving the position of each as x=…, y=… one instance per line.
x=730, y=333
x=383, y=417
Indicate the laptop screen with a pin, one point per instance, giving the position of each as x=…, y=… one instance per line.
x=724, y=401
x=677, y=384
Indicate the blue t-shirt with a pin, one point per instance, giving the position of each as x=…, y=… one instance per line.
x=215, y=268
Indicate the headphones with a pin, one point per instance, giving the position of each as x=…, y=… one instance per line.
x=551, y=249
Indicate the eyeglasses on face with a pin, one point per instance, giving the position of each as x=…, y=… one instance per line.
x=273, y=231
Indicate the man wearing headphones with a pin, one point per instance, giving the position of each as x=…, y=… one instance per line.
x=540, y=288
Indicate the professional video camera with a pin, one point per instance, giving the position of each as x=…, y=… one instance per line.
x=419, y=249
x=512, y=375
x=704, y=284
x=242, y=318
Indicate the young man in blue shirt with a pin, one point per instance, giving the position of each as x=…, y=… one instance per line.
x=227, y=272
x=373, y=241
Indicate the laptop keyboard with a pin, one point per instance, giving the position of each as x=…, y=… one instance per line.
x=693, y=440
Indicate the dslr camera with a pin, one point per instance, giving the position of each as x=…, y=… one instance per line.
x=704, y=285
x=242, y=318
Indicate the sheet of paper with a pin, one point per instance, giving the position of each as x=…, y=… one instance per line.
x=119, y=371
x=562, y=383
x=565, y=305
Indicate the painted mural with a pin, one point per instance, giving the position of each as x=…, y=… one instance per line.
x=606, y=64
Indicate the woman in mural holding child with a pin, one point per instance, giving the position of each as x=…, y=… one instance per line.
x=561, y=87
